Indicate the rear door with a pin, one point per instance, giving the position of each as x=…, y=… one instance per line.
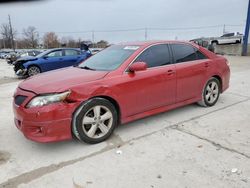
x=71, y=57
x=191, y=71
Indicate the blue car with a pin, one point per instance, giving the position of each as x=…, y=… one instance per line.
x=49, y=60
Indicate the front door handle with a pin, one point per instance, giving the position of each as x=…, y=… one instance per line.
x=170, y=72
x=206, y=65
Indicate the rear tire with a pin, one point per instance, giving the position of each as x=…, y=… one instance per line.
x=94, y=121
x=210, y=93
x=214, y=43
x=33, y=70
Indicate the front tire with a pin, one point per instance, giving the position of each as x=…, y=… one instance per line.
x=33, y=70
x=210, y=93
x=94, y=121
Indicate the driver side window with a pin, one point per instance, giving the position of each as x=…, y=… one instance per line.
x=57, y=53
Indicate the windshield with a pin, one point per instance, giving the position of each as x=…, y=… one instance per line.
x=110, y=58
x=43, y=53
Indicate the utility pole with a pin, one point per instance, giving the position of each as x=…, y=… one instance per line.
x=3, y=43
x=224, y=29
x=146, y=33
x=245, y=39
x=11, y=34
x=93, y=37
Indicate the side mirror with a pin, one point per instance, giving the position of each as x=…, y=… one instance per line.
x=138, y=66
x=45, y=57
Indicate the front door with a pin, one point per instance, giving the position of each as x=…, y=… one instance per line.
x=152, y=88
x=52, y=60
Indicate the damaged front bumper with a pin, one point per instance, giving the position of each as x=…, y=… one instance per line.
x=21, y=72
x=49, y=123
x=19, y=68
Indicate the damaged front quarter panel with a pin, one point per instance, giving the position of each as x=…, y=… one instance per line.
x=90, y=91
x=19, y=68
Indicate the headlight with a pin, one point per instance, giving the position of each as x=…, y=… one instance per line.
x=48, y=99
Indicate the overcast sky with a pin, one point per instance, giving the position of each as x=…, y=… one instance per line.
x=64, y=16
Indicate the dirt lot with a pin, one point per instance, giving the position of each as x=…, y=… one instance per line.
x=187, y=147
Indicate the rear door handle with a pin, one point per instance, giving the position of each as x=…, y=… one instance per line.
x=170, y=72
x=206, y=64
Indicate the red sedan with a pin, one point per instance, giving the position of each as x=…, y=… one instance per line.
x=120, y=84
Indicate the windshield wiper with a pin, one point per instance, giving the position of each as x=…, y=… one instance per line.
x=86, y=67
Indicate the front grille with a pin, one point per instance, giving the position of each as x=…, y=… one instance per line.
x=18, y=65
x=19, y=99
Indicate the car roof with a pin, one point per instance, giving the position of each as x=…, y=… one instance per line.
x=149, y=43
x=52, y=49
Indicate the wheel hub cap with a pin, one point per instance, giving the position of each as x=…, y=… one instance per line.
x=212, y=92
x=97, y=121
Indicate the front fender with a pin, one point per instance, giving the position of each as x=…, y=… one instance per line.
x=106, y=91
x=29, y=63
x=89, y=91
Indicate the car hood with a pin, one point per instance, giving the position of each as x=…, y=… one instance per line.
x=60, y=80
x=27, y=58
x=23, y=60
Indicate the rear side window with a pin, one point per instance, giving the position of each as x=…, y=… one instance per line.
x=183, y=53
x=71, y=52
x=154, y=56
x=199, y=55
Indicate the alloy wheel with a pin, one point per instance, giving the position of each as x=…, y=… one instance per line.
x=33, y=71
x=97, y=121
x=211, y=92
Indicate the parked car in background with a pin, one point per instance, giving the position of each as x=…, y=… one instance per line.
x=228, y=38
x=120, y=84
x=30, y=53
x=11, y=57
x=204, y=43
x=3, y=55
x=49, y=60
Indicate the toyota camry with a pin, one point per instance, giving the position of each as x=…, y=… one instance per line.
x=120, y=84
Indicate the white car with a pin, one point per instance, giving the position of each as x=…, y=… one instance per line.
x=228, y=38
